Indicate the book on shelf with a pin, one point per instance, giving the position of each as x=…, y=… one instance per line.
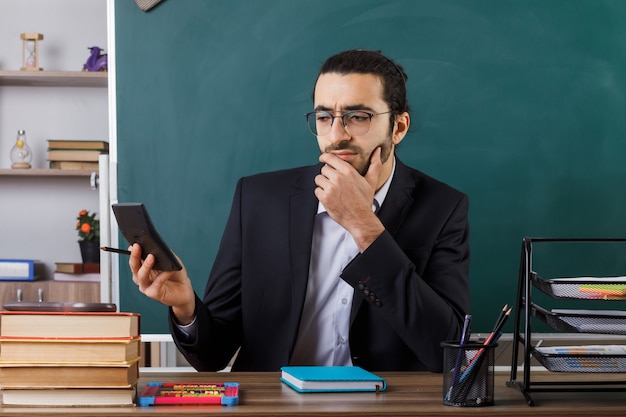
x=76, y=268
x=69, y=375
x=75, y=277
x=74, y=154
x=69, y=397
x=57, y=350
x=94, y=166
x=20, y=269
x=69, y=324
x=78, y=144
x=331, y=379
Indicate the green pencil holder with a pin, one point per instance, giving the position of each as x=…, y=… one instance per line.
x=468, y=374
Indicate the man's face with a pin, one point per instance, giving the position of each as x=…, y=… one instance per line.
x=339, y=93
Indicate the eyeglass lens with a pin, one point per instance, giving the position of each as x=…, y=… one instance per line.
x=356, y=122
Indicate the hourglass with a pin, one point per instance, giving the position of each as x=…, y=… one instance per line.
x=30, y=51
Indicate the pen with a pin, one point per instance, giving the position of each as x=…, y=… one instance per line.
x=465, y=335
x=108, y=249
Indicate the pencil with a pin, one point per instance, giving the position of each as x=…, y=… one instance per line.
x=108, y=249
x=500, y=318
x=492, y=338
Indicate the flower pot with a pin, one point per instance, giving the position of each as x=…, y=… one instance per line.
x=90, y=251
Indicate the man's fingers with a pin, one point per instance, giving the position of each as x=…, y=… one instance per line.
x=374, y=168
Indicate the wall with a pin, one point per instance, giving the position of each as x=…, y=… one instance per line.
x=518, y=104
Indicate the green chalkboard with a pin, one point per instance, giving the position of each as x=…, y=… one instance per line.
x=520, y=104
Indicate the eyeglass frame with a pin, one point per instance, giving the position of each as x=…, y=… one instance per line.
x=342, y=117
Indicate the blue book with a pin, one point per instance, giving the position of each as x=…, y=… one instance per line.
x=331, y=379
x=17, y=270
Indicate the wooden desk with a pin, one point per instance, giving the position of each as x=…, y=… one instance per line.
x=408, y=394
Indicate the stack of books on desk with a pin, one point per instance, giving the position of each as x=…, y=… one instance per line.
x=69, y=358
x=75, y=154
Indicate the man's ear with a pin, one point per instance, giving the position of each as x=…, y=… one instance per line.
x=401, y=127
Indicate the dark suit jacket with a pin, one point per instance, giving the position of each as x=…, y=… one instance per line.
x=411, y=284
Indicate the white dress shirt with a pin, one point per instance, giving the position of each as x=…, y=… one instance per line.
x=325, y=325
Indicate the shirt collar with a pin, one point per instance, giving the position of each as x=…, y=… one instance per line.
x=379, y=197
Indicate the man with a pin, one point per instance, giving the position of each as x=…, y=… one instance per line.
x=358, y=260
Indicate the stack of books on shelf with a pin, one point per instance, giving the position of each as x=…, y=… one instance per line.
x=75, y=154
x=69, y=358
x=76, y=272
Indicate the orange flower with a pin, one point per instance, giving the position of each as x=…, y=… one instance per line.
x=88, y=226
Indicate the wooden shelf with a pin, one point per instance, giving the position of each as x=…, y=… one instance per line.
x=59, y=291
x=45, y=172
x=54, y=78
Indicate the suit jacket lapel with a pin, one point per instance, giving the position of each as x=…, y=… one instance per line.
x=302, y=209
x=398, y=199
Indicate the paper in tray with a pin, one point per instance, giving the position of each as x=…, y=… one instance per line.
x=594, y=288
x=586, y=359
x=583, y=321
x=160, y=393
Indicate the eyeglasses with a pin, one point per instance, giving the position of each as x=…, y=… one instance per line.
x=356, y=122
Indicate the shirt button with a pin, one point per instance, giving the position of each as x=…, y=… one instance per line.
x=344, y=301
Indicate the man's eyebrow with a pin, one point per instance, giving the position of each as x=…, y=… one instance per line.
x=345, y=108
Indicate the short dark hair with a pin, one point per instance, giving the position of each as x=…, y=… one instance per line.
x=362, y=61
